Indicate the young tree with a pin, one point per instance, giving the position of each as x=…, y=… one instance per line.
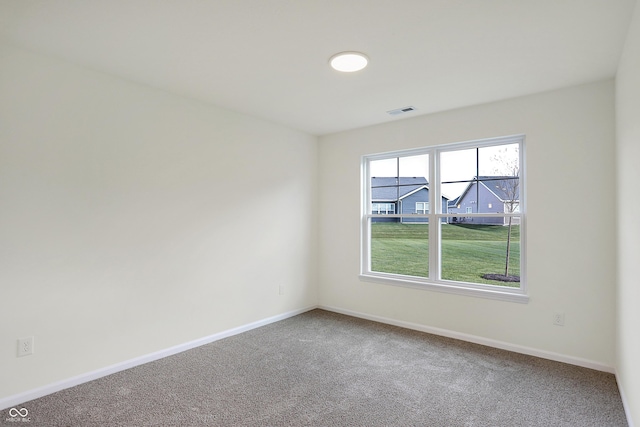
x=508, y=166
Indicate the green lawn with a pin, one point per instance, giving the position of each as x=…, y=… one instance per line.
x=468, y=251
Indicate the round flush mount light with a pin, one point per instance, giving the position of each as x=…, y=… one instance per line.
x=348, y=62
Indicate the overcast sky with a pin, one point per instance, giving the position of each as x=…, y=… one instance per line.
x=457, y=165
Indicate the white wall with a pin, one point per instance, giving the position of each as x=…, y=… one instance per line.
x=571, y=223
x=132, y=220
x=628, y=166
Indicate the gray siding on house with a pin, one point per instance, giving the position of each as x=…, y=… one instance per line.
x=479, y=199
x=405, y=194
x=485, y=196
x=409, y=205
x=395, y=190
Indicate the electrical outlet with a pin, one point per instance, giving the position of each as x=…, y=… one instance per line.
x=558, y=318
x=25, y=346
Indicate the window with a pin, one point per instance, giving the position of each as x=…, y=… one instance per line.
x=422, y=207
x=471, y=241
x=383, y=208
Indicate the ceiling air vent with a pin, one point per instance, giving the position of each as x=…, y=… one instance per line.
x=401, y=111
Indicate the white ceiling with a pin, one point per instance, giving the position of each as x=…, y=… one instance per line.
x=269, y=58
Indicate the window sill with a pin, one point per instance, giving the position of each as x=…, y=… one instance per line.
x=508, y=294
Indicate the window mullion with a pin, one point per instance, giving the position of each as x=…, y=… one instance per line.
x=434, y=228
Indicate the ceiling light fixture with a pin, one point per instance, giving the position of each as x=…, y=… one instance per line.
x=348, y=62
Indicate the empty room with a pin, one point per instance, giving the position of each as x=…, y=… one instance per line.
x=322, y=213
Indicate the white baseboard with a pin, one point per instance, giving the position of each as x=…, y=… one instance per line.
x=625, y=402
x=478, y=340
x=12, y=401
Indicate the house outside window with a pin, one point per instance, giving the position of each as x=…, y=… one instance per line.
x=403, y=194
x=471, y=241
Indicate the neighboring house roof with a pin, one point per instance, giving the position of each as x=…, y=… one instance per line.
x=495, y=184
x=391, y=189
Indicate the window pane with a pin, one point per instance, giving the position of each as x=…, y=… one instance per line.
x=481, y=180
x=400, y=191
x=477, y=253
x=415, y=166
x=422, y=207
x=382, y=208
x=502, y=160
x=398, y=247
x=500, y=173
x=385, y=167
x=457, y=170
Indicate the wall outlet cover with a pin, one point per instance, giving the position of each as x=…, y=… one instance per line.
x=25, y=346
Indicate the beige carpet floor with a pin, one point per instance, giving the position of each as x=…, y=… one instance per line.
x=326, y=369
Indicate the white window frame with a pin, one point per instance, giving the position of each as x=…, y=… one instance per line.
x=423, y=209
x=388, y=207
x=434, y=282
